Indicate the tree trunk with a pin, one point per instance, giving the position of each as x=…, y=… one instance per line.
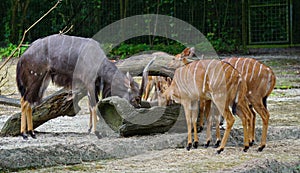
x=9, y=101
x=125, y=120
x=162, y=66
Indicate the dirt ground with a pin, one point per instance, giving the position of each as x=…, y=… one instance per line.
x=282, y=153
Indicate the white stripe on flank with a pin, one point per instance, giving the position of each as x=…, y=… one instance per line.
x=238, y=91
x=62, y=46
x=236, y=63
x=229, y=60
x=206, y=71
x=48, y=44
x=212, y=76
x=268, y=81
x=223, y=75
x=194, y=78
x=232, y=72
x=243, y=65
x=182, y=83
x=260, y=67
x=247, y=70
x=253, y=70
x=217, y=77
x=70, y=48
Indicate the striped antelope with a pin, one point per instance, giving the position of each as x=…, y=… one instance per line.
x=67, y=60
x=260, y=80
x=215, y=81
x=161, y=83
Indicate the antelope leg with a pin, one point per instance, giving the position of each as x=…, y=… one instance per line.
x=230, y=120
x=187, y=110
x=194, y=111
x=23, y=118
x=29, y=121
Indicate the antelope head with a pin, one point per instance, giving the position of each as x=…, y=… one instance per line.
x=133, y=91
x=182, y=58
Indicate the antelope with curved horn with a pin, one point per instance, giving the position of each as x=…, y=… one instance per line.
x=215, y=81
x=69, y=61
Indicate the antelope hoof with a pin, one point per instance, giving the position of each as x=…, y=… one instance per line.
x=189, y=146
x=195, y=144
x=99, y=136
x=251, y=143
x=220, y=150
x=200, y=129
x=207, y=144
x=217, y=144
x=25, y=137
x=32, y=134
x=260, y=149
x=89, y=130
x=246, y=148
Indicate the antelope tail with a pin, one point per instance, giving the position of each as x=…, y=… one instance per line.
x=236, y=100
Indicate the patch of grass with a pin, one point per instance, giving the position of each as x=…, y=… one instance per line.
x=281, y=62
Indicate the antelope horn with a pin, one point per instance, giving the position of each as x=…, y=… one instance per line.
x=145, y=76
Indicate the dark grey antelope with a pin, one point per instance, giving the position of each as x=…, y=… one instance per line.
x=69, y=62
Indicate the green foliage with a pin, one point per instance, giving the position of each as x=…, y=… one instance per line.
x=126, y=50
x=7, y=51
x=223, y=44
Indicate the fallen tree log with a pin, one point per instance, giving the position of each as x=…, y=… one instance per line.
x=162, y=66
x=125, y=120
x=58, y=104
x=9, y=101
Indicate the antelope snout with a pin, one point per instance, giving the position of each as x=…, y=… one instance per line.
x=136, y=102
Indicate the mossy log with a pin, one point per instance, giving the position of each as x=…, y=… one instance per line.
x=128, y=121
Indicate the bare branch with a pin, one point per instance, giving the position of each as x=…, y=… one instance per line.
x=25, y=32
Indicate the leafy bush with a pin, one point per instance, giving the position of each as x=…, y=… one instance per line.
x=223, y=44
x=7, y=51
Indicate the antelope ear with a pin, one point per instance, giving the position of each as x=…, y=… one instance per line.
x=186, y=51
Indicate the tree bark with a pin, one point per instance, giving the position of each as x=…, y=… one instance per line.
x=162, y=66
x=9, y=101
x=56, y=105
x=127, y=121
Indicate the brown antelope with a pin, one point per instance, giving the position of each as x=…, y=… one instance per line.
x=210, y=80
x=260, y=80
x=161, y=83
x=69, y=61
